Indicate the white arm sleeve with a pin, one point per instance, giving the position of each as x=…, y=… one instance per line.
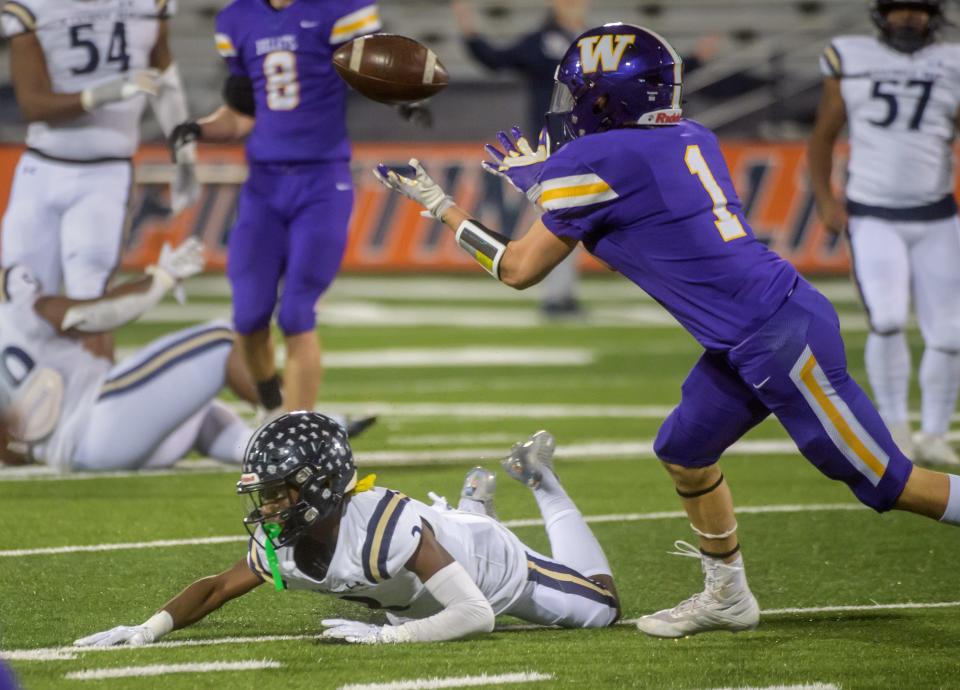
x=109, y=313
x=170, y=109
x=466, y=611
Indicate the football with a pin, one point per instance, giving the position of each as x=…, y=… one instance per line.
x=390, y=69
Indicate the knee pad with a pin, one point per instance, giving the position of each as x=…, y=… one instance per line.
x=297, y=314
x=676, y=447
x=248, y=320
x=885, y=326
x=945, y=336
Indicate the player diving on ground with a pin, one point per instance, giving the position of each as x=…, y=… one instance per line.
x=440, y=573
x=649, y=193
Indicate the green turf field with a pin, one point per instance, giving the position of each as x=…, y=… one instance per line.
x=851, y=599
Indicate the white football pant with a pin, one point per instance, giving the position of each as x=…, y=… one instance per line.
x=158, y=404
x=892, y=260
x=66, y=221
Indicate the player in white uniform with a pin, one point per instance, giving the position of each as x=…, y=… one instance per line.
x=72, y=410
x=899, y=92
x=82, y=71
x=440, y=574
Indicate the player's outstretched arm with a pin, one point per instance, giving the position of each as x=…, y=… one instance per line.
x=192, y=604
x=831, y=117
x=466, y=611
x=124, y=303
x=517, y=263
x=39, y=102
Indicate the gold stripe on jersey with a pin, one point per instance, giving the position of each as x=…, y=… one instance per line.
x=148, y=368
x=832, y=57
x=575, y=190
x=24, y=15
x=362, y=21
x=379, y=533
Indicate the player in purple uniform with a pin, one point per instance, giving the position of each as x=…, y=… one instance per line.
x=294, y=209
x=648, y=193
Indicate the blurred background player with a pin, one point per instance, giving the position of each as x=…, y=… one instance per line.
x=81, y=73
x=899, y=92
x=649, y=193
x=534, y=57
x=72, y=410
x=283, y=95
x=441, y=574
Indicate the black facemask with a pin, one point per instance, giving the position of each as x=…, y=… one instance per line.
x=907, y=38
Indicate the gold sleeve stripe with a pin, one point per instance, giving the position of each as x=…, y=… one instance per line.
x=4, y=296
x=253, y=560
x=225, y=45
x=378, y=539
x=575, y=190
x=24, y=15
x=360, y=22
x=833, y=59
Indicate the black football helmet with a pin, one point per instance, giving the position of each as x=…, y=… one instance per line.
x=305, y=451
x=907, y=39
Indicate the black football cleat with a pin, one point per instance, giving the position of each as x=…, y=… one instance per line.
x=358, y=425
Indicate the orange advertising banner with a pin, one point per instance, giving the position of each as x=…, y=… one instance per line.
x=388, y=234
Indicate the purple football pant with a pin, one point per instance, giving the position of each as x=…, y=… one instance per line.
x=292, y=223
x=795, y=367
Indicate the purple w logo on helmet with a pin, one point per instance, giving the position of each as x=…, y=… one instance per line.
x=616, y=75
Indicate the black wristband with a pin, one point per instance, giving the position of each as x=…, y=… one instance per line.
x=269, y=392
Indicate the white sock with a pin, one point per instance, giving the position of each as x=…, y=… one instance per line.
x=223, y=434
x=951, y=515
x=888, y=368
x=571, y=541
x=939, y=381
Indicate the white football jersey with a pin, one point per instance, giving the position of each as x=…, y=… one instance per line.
x=379, y=532
x=901, y=111
x=85, y=43
x=32, y=350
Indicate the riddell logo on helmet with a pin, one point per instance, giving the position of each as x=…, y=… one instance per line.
x=667, y=118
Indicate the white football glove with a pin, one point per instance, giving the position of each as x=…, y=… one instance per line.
x=185, y=188
x=130, y=635
x=355, y=632
x=518, y=163
x=417, y=186
x=439, y=502
x=146, y=81
x=176, y=265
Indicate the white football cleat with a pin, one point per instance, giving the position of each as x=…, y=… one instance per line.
x=934, y=450
x=903, y=437
x=726, y=602
x=479, y=488
x=528, y=459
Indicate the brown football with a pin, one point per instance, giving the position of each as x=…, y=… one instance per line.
x=390, y=68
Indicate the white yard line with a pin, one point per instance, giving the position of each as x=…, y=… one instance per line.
x=592, y=451
x=525, y=522
x=70, y=652
x=166, y=669
x=452, y=682
x=802, y=686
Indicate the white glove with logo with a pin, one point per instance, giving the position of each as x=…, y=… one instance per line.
x=356, y=632
x=146, y=81
x=130, y=635
x=415, y=184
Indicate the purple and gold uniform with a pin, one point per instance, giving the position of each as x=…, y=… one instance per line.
x=295, y=207
x=658, y=205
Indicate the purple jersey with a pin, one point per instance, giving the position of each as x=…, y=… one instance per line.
x=287, y=55
x=658, y=206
